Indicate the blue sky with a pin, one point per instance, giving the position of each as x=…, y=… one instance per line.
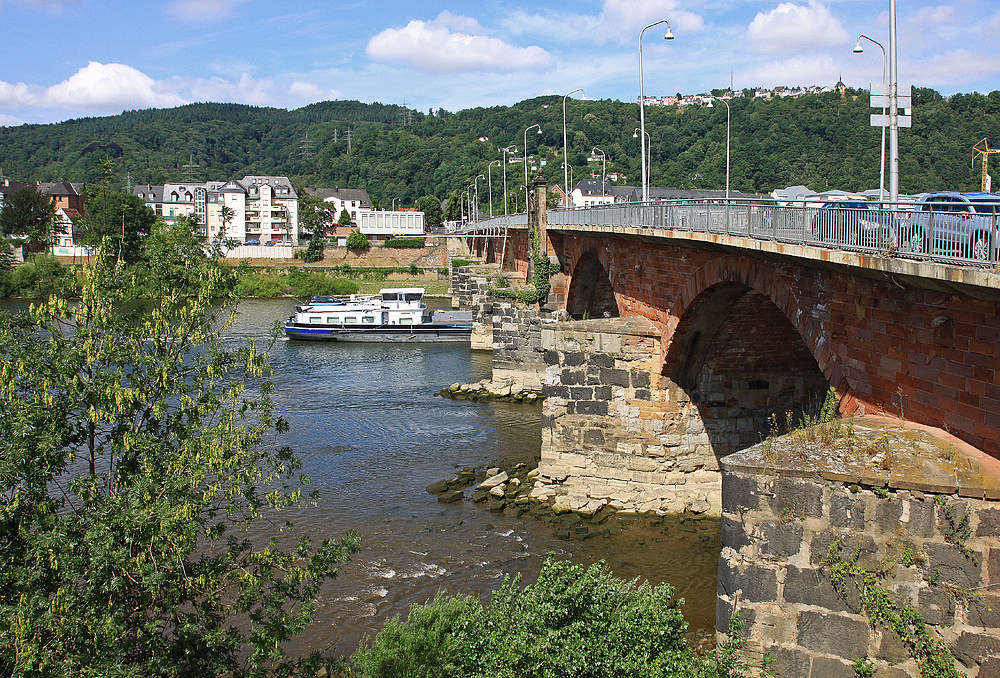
x=63, y=59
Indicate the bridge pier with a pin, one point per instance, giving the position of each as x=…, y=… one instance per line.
x=614, y=431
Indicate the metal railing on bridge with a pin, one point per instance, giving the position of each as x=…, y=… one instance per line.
x=939, y=232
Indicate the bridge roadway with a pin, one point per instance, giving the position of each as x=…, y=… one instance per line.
x=756, y=315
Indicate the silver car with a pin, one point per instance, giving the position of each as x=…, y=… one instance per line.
x=962, y=225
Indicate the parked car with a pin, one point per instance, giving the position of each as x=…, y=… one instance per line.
x=957, y=224
x=255, y=241
x=269, y=243
x=854, y=222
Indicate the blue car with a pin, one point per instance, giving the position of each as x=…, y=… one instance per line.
x=255, y=241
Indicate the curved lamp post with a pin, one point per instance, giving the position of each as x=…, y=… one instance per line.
x=505, y=151
x=526, y=163
x=489, y=183
x=566, y=145
x=649, y=145
x=642, y=107
x=728, y=116
x=885, y=67
x=475, y=183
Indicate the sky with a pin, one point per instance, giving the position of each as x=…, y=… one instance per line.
x=63, y=59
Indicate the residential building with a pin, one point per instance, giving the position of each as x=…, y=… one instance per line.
x=354, y=200
x=263, y=208
x=589, y=192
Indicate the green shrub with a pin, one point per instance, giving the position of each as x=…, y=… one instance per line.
x=358, y=241
x=460, y=262
x=296, y=282
x=42, y=276
x=573, y=622
x=312, y=253
x=403, y=243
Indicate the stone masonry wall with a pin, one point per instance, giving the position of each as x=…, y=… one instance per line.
x=470, y=292
x=517, y=344
x=613, y=431
x=914, y=511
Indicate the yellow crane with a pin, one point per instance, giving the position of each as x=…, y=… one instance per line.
x=983, y=149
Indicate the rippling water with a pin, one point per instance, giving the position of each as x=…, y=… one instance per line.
x=372, y=434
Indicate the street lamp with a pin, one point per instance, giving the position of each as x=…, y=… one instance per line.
x=728, y=116
x=566, y=145
x=489, y=183
x=642, y=107
x=526, y=163
x=475, y=182
x=893, y=108
x=604, y=168
x=885, y=67
x=649, y=145
x=504, y=152
x=393, y=208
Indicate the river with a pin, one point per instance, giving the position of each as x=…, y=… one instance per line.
x=372, y=434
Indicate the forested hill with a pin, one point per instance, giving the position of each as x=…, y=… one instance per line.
x=823, y=141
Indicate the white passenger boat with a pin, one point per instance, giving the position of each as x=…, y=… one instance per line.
x=394, y=314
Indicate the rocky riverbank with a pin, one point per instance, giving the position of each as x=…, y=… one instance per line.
x=491, y=390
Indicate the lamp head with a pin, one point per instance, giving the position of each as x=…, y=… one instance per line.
x=539, y=131
x=669, y=35
x=857, y=48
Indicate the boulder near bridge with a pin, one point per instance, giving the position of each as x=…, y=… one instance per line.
x=676, y=337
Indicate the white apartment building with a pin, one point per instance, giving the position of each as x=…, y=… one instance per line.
x=354, y=200
x=265, y=209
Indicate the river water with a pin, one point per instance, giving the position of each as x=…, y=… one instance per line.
x=372, y=434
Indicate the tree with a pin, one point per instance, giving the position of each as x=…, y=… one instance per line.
x=226, y=215
x=357, y=241
x=431, y=207
x=120, y=218
x=314, y=252
x=29, y=214
x=453, y=208
x=345, y=218
x=315, y=214
x=135, y=449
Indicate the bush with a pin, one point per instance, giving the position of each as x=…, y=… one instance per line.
x=404, y=243
x=41, y=277
x=312, y=253
x=573, y=622
x=296, y=282
x=358, y=241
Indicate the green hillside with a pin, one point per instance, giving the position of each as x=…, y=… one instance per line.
x=822, y=141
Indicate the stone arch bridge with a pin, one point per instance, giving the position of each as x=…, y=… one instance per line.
x=689, y=345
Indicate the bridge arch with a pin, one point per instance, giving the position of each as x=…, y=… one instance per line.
x=591, y=292
x=745, y=354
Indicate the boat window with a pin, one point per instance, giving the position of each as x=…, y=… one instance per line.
x=350, y=319
x=406, y=321
x=331, y=320
x=413, y=296
x=315, y=319
x=369, y=319
x=390, y=296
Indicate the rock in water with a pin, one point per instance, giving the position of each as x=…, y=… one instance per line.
x=451, y=496
x=438, y=487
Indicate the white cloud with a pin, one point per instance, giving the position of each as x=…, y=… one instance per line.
x=95, y=87
x=307, y=91
x=934, y=16
x=246, y=90
x=619, y=21
x=10, y=121
x=99, y=87
x=794, y=71
x=200, y=10
x=953, y=68
x=790, y=28
x=627, y=17
x=438, y=47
